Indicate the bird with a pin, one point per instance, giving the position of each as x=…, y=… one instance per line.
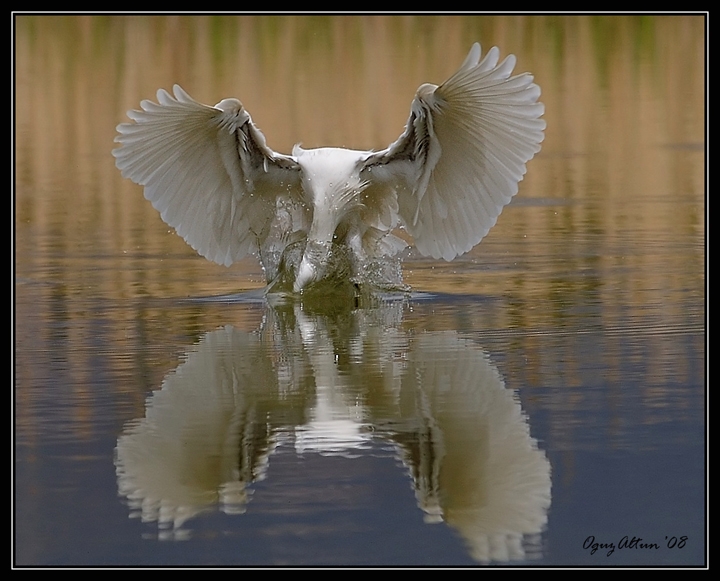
x=329, y=214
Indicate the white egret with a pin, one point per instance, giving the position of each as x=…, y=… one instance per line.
x=328, y=213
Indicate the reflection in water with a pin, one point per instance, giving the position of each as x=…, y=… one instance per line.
x=329, y=384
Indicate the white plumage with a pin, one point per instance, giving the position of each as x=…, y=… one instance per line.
x=328, y=213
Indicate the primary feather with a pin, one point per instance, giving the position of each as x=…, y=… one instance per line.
x=327, y=213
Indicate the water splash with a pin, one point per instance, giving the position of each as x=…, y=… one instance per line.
x=338, y=267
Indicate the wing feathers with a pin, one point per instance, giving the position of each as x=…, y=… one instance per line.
x=200, y=166
x=486, y=126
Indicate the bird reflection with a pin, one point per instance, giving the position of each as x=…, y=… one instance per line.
x=331, y=384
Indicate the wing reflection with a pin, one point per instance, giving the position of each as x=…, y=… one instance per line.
x=330, y=384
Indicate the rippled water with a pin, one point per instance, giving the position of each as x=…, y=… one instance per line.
x=538, y=401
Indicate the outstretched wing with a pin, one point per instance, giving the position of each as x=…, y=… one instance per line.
x=207, y=170
x=463, y=153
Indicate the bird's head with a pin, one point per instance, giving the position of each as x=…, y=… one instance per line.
x=306, y=275
x=325, y=268
x=314, y=264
